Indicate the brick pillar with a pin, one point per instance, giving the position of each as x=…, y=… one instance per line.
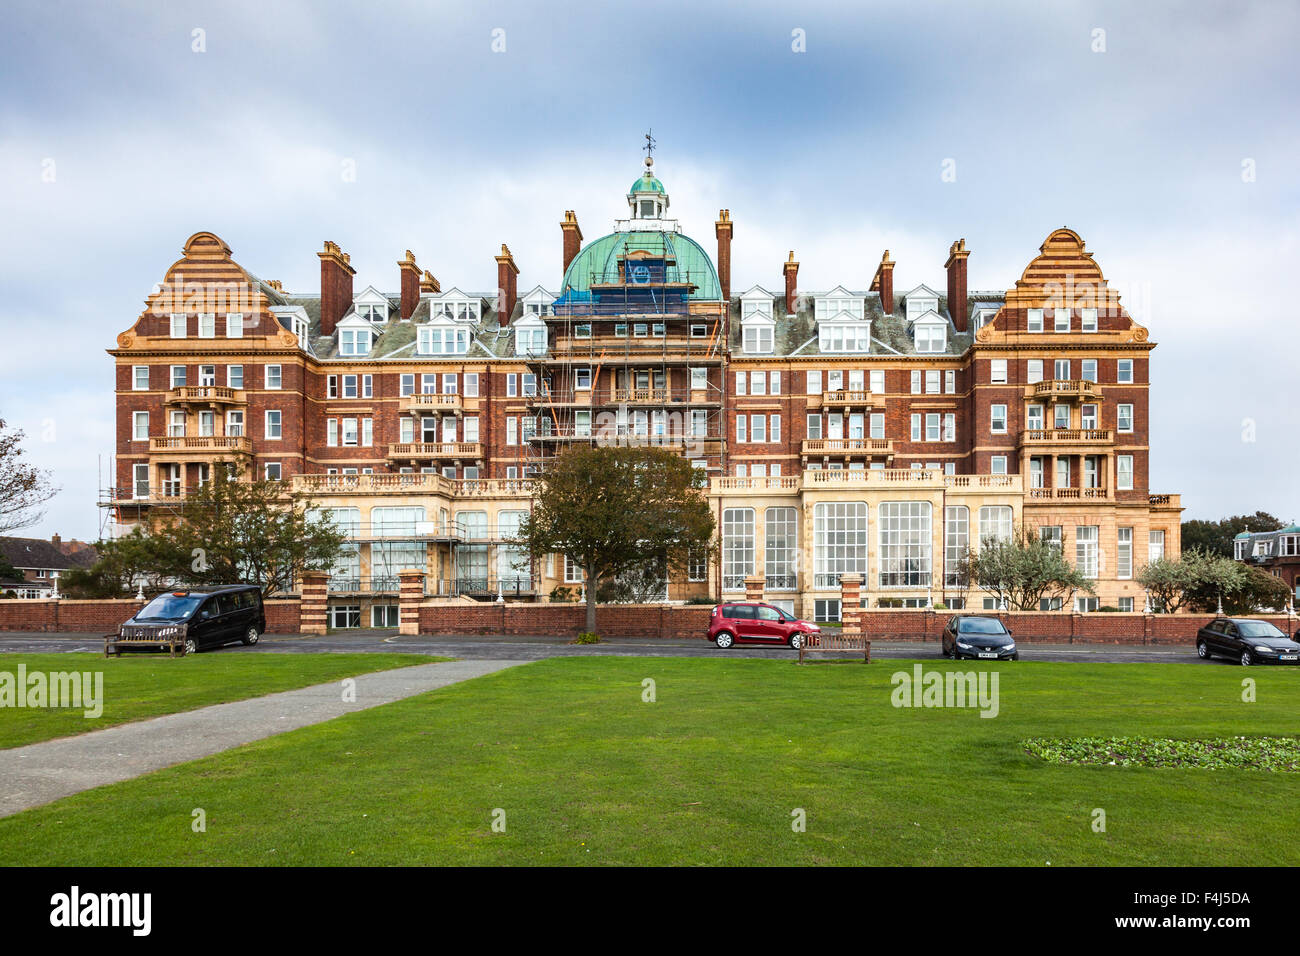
x=315, y=599
x=411, y=597
x=754, y=587
x=851, y=603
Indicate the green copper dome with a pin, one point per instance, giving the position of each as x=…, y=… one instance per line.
x=598, y=261
x=646, y=183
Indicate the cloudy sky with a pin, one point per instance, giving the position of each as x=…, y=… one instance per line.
x=1164, y=133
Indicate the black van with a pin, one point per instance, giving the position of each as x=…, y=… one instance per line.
x=193, y=619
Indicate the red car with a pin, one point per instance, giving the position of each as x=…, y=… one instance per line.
x=747, y=622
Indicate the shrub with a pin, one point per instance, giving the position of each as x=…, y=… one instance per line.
x=562, y=595
x=697, y=599
x=586, y=637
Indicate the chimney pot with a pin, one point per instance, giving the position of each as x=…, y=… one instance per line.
x=723, y=230
x=410, y=277
x=507, y=285
x=572, y=240
x=883, y=282
x=336, y=274
x=956, y=266
x=791, y=270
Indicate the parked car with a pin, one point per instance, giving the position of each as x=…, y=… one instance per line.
x=200, y=618
x=747, y=622
x=1246, y=640
x=982, y=638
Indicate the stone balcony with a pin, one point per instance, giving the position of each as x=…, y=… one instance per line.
x=205, y=395
x=866, y=478
x=851, y=397
x=425, y=451
x=1070, y=437
x=214, y=446
x=424, y=403
x=1069, y=494
x=1063, y=390
x=848, y=447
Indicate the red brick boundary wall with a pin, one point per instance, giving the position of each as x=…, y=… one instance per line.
x=283, y=616
x=566, y=620
x=104, y=616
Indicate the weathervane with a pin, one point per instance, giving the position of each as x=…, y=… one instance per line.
x=650, y=144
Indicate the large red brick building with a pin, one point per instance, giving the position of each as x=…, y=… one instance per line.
x=873, y=431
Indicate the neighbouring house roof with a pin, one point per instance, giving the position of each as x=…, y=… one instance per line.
x=26, y=553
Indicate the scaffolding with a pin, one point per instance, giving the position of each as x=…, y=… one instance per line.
x=622, y=364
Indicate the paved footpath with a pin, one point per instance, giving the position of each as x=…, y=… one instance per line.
x=44, y=772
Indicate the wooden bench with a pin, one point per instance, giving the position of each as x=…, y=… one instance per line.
x=837, y=639
x=113, y=644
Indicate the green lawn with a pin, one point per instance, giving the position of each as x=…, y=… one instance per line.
x=709, y=774
x=146, y=685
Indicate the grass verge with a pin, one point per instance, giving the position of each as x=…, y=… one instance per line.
x=138, y=686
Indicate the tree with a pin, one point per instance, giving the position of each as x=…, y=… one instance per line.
x=1022, y=570
x=1256, y=590
x=229, y=532
x=1195, y=577
x=1216, y=537
x=7, y=571
x=24, y=488
x=612, y=510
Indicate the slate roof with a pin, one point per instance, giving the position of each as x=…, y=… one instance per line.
x=796, y=334
x=39, y=553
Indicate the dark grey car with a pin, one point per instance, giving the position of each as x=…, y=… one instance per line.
x=1246, y=640
x=977, y=637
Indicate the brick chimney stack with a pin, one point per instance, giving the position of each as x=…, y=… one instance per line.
x=722, y=228
x=883, y=282
x=56, y=541
x=507, y=284
x=336, y=274
x=572, y=240
x=791, y=282
x=956, y=266
x=410, y=275
x=429, y=283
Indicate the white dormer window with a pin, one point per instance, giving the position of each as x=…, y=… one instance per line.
x=930, y=333
x=839, y=302
x=844, y=337
x=756, y=308
x=354, y=342
x=982, y=318
x=457, y=309
x=758, y=336
x=921, y=300
x=377, y=314
x=443, y=340
x=300, y=330
x=530, y=336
